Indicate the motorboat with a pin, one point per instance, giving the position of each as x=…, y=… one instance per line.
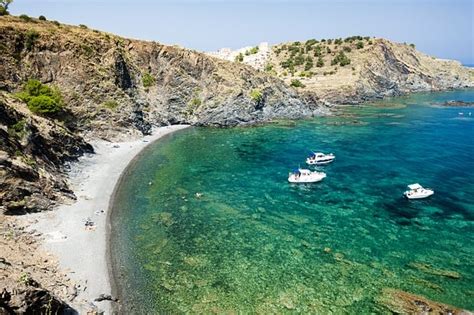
x=418, y=192
x=305, y=176
x=319, y=158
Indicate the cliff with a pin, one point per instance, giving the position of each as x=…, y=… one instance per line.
x=113, y=85
x=357, y=69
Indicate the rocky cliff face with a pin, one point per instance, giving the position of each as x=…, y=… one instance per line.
x=374, y=68
x=33, y=150
x=115, y=86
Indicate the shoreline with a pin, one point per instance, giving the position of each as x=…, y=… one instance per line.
x=83, y=252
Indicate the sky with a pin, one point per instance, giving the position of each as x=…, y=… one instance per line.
x=442, y=28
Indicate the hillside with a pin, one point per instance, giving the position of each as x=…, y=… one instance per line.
x=356, y=69
x=110, y=83
x=112, y=88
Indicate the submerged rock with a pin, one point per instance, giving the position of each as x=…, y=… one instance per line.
x=427, y=268
x=401, y=302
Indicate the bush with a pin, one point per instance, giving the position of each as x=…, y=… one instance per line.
x=338, y=41
x=412, y=45
x=341, y=59
x=297, y=83
x=256, y=95
x=25, y=18
x=309, y=64
x=41, y=98
x=239, y=57
x=83, y=26
x=148, y=80
x=110, y=104
x=254, y=50
x=360, y=45
x=268, y=67
x=56, y=23
x=30, y=39
x=346, y=49
x=42, y=18
x=3, y=11
x=43, y=104
x=320, y=62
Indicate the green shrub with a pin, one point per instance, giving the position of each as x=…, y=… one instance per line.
x=360, y=45
x=297, y=83
x=268, y=67
x=239, y=57
x=254, y=50
x=42, y=18
x=320, y=62
x=338, y=41
x=83, y=26
x=256, y=95
x=346, y=49
x=148, y=80
x=309, y=64
x=340, y=59
x=40, y=98
x=3, y=11
x=299, y=60
x=56, y=23
x=43, y=104
x=110, y=104
x=31, y=37
x=17, y=129
x=25, y=18
x=311, y=42
x=412, y=45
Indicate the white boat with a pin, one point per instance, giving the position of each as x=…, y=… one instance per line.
x=318, y=158
x=305, y=176
x=418, y=192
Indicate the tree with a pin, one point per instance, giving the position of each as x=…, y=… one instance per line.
x=4, y=4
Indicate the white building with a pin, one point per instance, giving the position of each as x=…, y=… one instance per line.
x=257, y=60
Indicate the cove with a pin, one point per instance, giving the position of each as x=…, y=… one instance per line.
x=254, y=243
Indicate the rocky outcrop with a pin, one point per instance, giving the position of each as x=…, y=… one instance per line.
x=377, y=68
x=115, y=86
x=30, y=282
x=400, y=302
x=33, y=151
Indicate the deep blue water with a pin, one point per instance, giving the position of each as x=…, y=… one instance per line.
x=255, y=243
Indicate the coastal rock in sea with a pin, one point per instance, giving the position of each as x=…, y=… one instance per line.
x=400, y=302
x=456, y=103
x=427, y=268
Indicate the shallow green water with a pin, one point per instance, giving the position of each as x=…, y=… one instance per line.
x=255, y=243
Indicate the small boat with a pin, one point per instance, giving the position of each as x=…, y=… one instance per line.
x=418, y=192
x=319, y=158
x=305, y=176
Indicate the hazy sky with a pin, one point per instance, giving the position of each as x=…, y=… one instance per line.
x=443, y=28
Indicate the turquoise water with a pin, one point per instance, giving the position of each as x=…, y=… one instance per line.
x=255, y=243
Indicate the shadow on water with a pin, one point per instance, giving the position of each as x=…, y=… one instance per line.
x=404, y=211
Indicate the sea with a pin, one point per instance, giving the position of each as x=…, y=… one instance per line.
x=205, y=221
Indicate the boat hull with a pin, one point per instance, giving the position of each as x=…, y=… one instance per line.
x=314, y=178
x=418, y=196
x=313, y=162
